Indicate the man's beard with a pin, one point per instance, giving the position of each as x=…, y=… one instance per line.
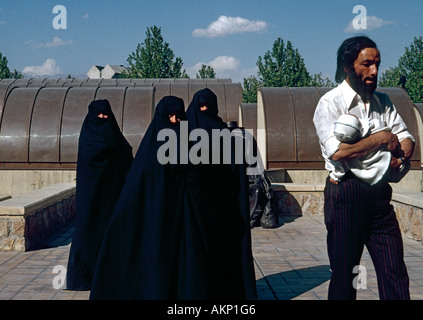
x=360, y=86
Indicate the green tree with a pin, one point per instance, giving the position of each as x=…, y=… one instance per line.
x=317, y=80
x=249, y=89
x=5, y=71
x=282, y=66
x=409, y=72
x=154, y=58
x=206, y=72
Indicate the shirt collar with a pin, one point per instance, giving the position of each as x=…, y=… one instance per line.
x=348, y=93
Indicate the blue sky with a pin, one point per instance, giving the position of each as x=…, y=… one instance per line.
x=228, y=35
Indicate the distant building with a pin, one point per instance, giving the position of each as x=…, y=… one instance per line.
x=95, y=72
x=112, y=71
x=107, y=72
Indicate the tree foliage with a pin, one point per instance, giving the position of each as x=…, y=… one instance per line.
x=317, y=80
x=409, y=72
x=154, y=58
x=249, y=89
x=206, y=72
x=282, y=66
x=5, y=72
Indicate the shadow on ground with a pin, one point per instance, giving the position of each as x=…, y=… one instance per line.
x=290, y=284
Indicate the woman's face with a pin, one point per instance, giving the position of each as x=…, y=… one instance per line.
x=173, y=118
x=102, y=116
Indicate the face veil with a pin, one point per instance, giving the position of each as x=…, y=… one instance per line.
x=207, y=119
x=141, y=245
x=104, y=158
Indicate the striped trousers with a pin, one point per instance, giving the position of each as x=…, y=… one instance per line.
x=357, y=214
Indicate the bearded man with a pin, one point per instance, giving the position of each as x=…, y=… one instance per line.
x=359, y=212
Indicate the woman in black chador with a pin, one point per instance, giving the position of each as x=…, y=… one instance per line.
x=140, y=251
x=216, y=259
x=104, y=158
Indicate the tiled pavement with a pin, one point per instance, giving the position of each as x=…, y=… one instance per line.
x=291, y=264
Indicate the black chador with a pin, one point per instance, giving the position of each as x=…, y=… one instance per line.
x=216, y=259
x=140, y=252
x=104, y=158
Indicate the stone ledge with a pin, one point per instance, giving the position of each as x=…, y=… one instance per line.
x=28, y=203
x=300, y=199
x=28, y=219
x=412, y=198
x=298, y=187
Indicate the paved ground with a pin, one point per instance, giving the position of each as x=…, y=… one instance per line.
x=291, y=264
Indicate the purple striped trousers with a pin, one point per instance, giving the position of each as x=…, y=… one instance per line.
x=357, y=214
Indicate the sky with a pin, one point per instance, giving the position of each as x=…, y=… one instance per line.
x=54, y=38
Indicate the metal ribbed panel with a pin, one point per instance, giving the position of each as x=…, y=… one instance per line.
x=137, y=114
x=233, y=96
x=16, y=123
x=181, y=90
x=248, y=117
x=44, y=142
x=289, y=139
x=40, y=119
x=74, y=111
x=275, y=112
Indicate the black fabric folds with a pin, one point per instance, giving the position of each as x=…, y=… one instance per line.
x=140, y=251
x=216, y=260
x=104, y=158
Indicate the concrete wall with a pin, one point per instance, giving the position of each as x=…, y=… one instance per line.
x=17, y=182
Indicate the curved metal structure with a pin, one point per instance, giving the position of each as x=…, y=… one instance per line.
x=248, y=117
x=289, y=140
x=40, y=126
x=229, y=94
x=40, y=119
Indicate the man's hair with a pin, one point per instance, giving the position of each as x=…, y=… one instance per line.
x=348, y=53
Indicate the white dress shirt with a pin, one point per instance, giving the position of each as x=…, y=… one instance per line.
x=344, y=100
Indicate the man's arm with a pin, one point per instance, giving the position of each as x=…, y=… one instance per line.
x=382, y=139
x=407, y=149
x=407, y=146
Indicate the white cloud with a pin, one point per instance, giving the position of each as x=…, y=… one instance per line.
x=3, y=22
x=48, y=68
x=373, y=23
x=224, y=63
x=223, y=66
x=85, y=16
x=57, y=42
x=230, y=25
x=220, y=64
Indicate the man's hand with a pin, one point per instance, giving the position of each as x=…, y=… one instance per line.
x=391, y=143
x=379, y=140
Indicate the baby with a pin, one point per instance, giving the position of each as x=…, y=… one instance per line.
x=371, y=168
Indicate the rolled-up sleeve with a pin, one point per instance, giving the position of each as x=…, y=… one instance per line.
x=324, y=118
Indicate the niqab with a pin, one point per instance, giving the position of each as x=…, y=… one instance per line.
x=140, y=251
x=104, y=158
x=216, y=260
